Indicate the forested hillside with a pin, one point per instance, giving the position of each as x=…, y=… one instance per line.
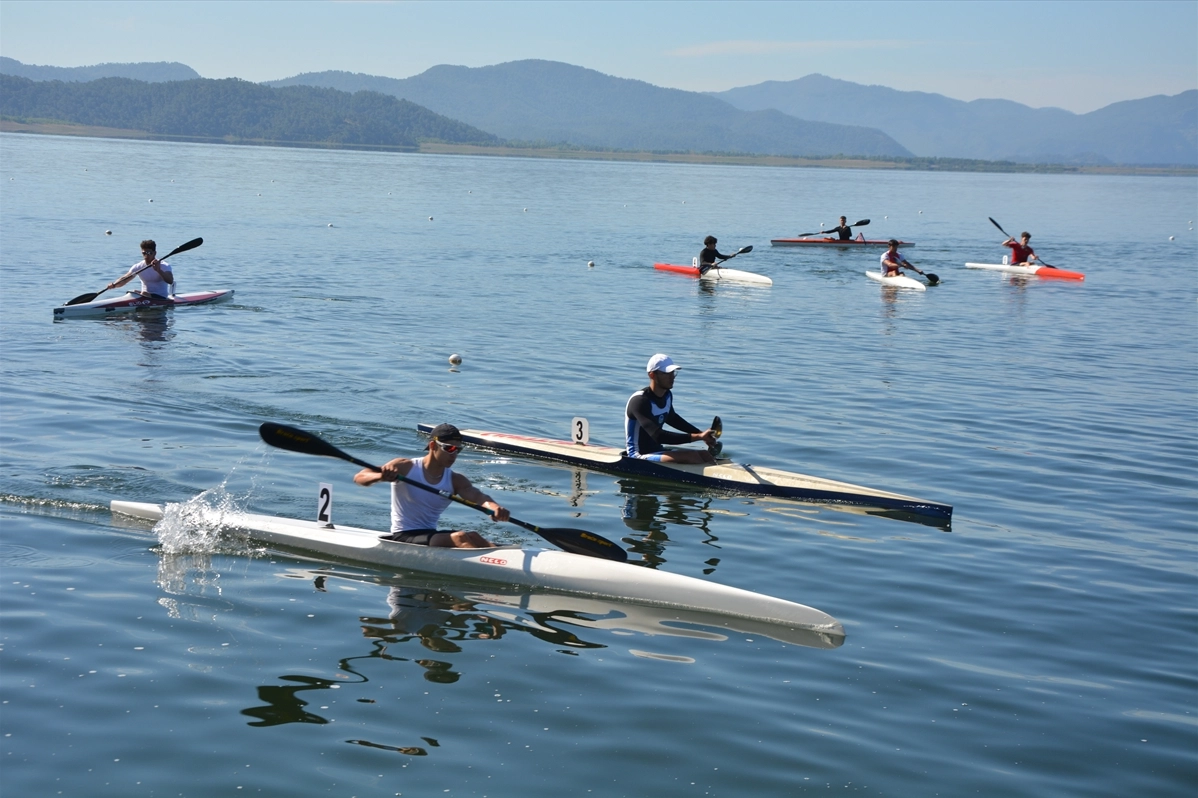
x=235, y=110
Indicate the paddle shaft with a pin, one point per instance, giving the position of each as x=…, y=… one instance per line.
x=1012, y=238
x=740, y=251
x=192, y=244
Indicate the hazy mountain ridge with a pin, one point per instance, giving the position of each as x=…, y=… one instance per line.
x=1152, y=130
x=157, y=72
x=234, y=109
x=552, y=102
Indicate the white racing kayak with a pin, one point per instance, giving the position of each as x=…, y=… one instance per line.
x=899, y=281
x=543, y=569
x=715, y=274
x=133, y=303
x=1038, y=271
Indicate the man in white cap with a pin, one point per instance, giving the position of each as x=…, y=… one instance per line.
x=650, y=409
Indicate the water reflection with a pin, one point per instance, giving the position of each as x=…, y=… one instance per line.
x=648, y=512
x=426, y=616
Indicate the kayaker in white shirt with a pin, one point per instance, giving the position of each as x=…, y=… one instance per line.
x=893, y=261
x=415, y=512
x=157, y=278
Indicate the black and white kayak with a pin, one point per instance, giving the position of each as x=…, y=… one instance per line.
x=724, y=475
x=135, y=303
x=542, y=569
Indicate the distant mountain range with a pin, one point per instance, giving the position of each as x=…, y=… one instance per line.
x=235, y=110
x=1153, y=130
x=547, y=102
x=151, y=73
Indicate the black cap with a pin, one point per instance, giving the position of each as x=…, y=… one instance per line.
x=446, y=432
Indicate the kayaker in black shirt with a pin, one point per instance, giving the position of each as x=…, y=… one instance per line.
x=650, y=409
x=709, y=255
x=843, y=230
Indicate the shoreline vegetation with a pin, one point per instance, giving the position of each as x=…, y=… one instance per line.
x=539, y=150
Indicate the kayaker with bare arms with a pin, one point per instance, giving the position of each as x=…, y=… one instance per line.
x=415, y=512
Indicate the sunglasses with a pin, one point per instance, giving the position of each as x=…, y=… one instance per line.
x=449, y=448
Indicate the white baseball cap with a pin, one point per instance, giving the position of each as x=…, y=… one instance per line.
x=660, y=362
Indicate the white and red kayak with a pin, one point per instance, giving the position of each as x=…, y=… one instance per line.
x=716, y=273
x=835, y=242
x=1038, y=271
x=132, y=303
x=897, y=281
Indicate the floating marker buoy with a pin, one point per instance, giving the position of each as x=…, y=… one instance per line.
x=330, y=224
x=590, y=264
x=885, y=217
x=259, y=195
x=921, y=211
x=526, y=210
x=149, y=200
x=430, y=218
x=455, y=359
x=1170, y=238
x=107, y=232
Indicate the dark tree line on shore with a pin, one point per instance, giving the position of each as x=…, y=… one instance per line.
x=234, y=109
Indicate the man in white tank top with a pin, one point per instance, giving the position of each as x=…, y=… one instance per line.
x=415, y=512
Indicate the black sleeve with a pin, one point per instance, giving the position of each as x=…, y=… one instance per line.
x=639, y=411
x=678, y=422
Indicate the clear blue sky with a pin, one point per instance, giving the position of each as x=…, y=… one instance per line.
x=1078, y=55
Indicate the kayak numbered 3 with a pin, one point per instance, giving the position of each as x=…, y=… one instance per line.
x=897, y=281
x=134, y=303
x=1037, y=271
x=542, y=569
x=716, y=274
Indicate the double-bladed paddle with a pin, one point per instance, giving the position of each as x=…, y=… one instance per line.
x=1011, y=237
x=861, y=223
x=575, y=541
x=192, y=244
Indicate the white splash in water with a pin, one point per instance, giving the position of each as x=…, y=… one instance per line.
x=194, y=526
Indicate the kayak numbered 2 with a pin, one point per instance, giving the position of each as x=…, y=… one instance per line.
x=897, y=281
x=716, y=274
x=540, y=569
x=1029, y=271
x=135, y=303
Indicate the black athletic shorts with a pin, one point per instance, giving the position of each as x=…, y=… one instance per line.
x=419, y=537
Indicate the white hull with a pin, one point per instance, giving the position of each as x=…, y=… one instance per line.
x=736, y=276
x=136, y=303
x=901, y=281
x=1039, y=271
x=538, y=568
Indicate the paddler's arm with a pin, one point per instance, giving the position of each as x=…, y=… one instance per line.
x=694, y=433
x=463, y=488
x=656, y=432
x=400, y=466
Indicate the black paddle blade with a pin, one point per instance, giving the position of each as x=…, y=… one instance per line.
x=296, y=440
x=743, y=250
x=79, y=300
x=588, y=544
x=861, y=223
x=932, y=279
x=192, y=244
x=717, y=426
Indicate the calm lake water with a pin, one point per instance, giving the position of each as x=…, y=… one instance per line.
x=1046, y=644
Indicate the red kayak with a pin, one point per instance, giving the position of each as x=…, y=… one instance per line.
x=834, y=242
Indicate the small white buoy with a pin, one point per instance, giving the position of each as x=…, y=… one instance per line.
x=330, y=224
x=1170, y=238
x=885, y=217
x=684, y=202
x=526, y=210
x=259, y=195
x=150, y=200
x=455, y=359
x=590, y=264
x=430, y=218
x=388, y=193
x=172, y=181
x=107, y=232
x=921, y=211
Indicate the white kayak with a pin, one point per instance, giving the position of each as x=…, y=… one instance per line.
x=545, y=569
x=1038, y=271
x=899, y=281
x=718, y=273
x=133, y=303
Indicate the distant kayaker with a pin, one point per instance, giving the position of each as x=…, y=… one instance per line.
x=414, y=512
x=157, y=279
x=1021, y=253
x=843, y=230
x=651, y=408
x=710, y=255
x=893, y=261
